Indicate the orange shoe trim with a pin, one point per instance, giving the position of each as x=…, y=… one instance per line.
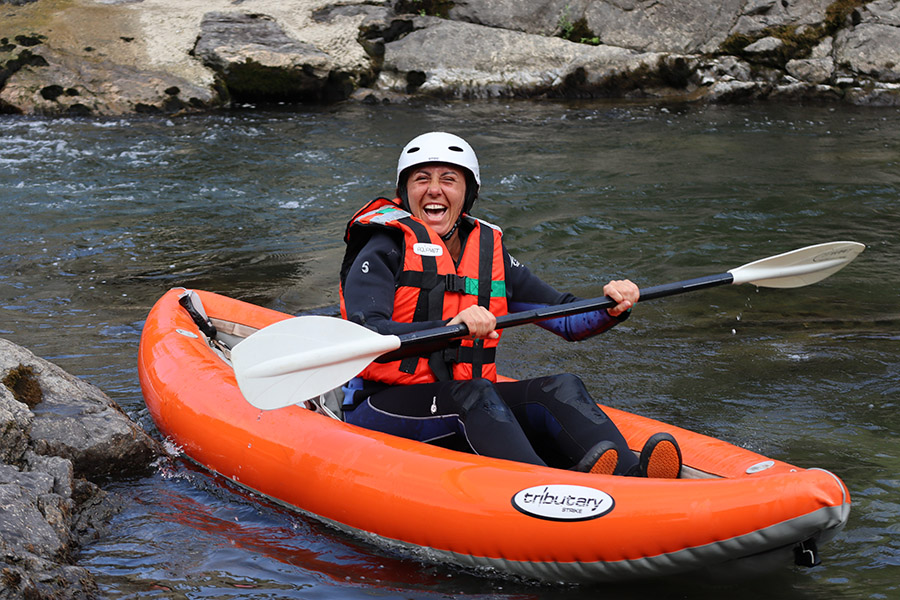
x=664, y=462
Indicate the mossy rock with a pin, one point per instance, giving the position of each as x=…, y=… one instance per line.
x=24, y=385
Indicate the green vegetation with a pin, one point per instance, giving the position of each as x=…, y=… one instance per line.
x=735, y=43
x=837, y=12
x=798, y=41
x=564, y=24
x=575, y=31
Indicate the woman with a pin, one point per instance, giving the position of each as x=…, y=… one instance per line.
x=422, y=261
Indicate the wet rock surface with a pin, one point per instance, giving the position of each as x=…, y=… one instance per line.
x=59, y=438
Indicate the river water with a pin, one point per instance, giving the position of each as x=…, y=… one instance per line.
x=100, y=217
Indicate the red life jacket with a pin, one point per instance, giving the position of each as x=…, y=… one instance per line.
x=431, y=287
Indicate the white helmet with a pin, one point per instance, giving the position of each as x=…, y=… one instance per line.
x=438, y=146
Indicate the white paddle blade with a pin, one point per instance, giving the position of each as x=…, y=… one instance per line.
x=800, y=267
x=298, y=359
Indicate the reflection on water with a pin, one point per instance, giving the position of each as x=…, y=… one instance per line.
x=102, y=216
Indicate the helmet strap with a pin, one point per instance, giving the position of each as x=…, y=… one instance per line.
x=450, y=233
x=404, y=198
x=471, y=192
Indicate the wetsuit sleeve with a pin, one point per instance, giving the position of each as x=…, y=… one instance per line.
x=526, y=291
x=370, y=284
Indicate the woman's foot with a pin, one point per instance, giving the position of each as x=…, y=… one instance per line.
x=599, y=460
x=661, y=457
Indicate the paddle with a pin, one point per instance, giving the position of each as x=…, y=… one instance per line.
x=300, y=358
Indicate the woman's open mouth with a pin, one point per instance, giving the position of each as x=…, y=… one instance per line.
x=434, y=211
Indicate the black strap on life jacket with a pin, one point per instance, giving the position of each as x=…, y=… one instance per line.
x=485, y=271
x=430, y=302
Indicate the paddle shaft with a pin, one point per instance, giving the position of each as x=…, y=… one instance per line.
x=428, y=340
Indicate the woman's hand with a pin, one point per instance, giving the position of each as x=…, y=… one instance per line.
x=624, y=292
x=479, y=320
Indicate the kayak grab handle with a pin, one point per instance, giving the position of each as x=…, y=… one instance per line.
x=186, y=300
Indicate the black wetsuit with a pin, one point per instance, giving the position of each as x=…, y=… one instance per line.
x=543, y=420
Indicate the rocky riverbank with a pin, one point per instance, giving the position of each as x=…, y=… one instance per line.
x=108, y=57
x=59, y=438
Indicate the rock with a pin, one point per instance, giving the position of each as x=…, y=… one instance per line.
x=170, y=56
x=818, y=68
x=724, y=69
x=259, y=57
x=377, y=25
x=540, y=17
x=767, y=51
x=76, y=59
x=36, y=540
x=373, y=96
x=676, y=26
x=823, y=49
x=491, y=63
x=736, y=91
x=799, y=91
x=58, y=468
x=871, y=48
x=51, y=82
x=77, y=421
x=641, y=25
x=812, y=70
x=759, y=7
x=55, y=430
x=15, y=427
x=876, y=94
x=117, y=57
x=765, y=45
x=758, y=16
x=23, y=525
x=94, y=509
x=259, y=61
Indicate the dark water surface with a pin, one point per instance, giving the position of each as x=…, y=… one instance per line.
x=100, y=217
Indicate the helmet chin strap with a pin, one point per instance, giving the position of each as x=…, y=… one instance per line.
x=449, y=234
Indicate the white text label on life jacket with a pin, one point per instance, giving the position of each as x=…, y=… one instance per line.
x=423, y=249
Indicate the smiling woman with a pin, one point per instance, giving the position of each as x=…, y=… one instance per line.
x=436, y=171
x=423, y=261
x=435, y=195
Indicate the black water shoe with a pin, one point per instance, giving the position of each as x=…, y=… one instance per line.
x=661, y=457
x=599, y=460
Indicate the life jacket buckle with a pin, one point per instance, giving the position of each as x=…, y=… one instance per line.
x=454, y=283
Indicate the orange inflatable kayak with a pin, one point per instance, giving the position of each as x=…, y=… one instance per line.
x=732, y=511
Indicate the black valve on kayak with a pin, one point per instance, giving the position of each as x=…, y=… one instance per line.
x=806, y=554
x=186, y=301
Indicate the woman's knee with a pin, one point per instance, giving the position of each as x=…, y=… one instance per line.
x=566, y=393
x=566, y=388
x=480, y=395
